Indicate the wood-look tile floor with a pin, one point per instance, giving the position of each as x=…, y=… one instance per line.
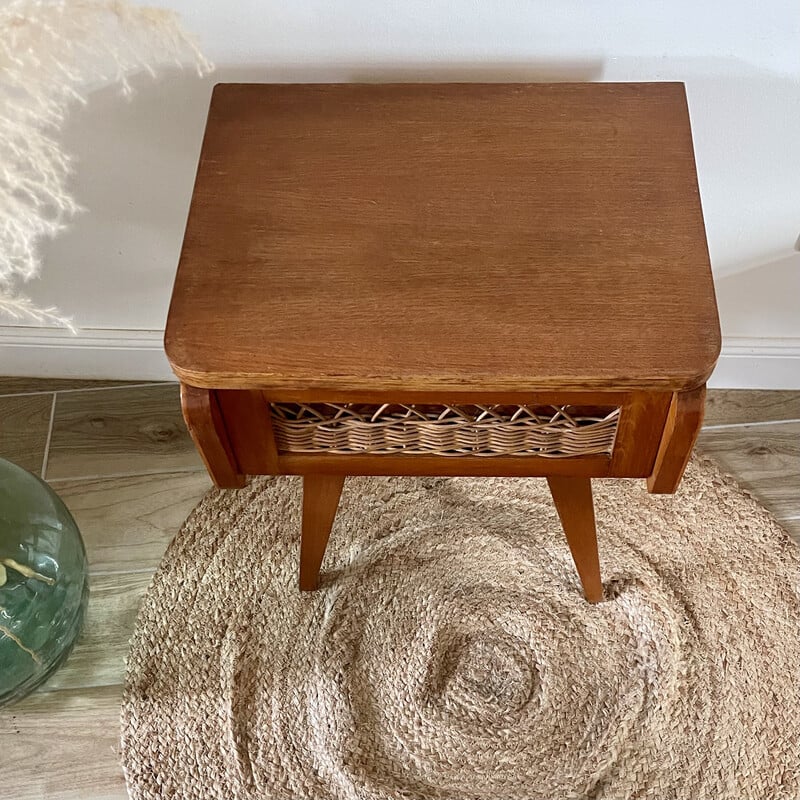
x=120, y=457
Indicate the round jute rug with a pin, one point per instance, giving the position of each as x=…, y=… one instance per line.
x=449, y=653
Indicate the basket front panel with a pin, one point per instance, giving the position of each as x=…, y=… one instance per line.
x=445, y=430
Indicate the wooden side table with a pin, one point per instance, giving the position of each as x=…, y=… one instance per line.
x=448, y=279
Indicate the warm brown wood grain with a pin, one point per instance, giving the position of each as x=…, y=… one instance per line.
x=639, y=430
x=247, y=421
x=207, y=428
x=475, y=395
x=320, y=500
x=573, y=501
x=497, y=466
x=445, y=237
x=249, y=427
x=684, y=420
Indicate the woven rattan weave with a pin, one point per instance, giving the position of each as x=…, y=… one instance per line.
x=446, y=430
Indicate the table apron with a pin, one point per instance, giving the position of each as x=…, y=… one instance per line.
x=242, y=423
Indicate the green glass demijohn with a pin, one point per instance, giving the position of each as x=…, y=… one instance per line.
x=43, y=582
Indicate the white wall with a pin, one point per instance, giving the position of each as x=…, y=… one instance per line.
x=113, y=270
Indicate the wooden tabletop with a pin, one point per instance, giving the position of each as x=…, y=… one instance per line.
x=445, y=236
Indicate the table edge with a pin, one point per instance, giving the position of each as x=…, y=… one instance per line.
x=332, y=384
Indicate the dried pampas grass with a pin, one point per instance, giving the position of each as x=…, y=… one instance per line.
x=51, y=55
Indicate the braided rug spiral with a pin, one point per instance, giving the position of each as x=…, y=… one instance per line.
x=449, y=653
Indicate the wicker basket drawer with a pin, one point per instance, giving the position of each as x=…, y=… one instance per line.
x=547, y=431
x=600, y=434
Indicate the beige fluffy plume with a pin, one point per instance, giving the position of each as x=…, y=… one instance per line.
x=51, y=55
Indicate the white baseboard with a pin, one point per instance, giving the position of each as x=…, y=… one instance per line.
x=139, y=355
x=758, y=363
x=91, y=353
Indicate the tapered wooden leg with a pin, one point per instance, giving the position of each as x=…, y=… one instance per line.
x=573, y=500
x=320, y=500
